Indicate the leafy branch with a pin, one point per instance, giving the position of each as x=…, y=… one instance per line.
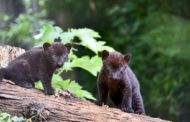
x=87, y=38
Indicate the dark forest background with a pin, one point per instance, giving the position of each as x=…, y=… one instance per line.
x=156, y=32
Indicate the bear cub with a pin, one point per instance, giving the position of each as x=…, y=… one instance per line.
x=117, y=80
x=37, y=64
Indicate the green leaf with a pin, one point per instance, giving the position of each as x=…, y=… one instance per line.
x=92, y=65
x=71, y=86
x=66, y=37
x=4, y=117
x=85, y=32
x=87, y=37
x=48, y=34
x=101, y=46
x=39, y=85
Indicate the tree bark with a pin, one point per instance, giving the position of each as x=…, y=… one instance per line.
x=62, y=107
x=33, y=104
x=9, y=53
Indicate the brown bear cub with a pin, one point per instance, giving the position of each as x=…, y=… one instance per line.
x=117, y=80
x=37, y=64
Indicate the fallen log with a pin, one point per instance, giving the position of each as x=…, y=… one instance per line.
x=32, y=103
x=62, y=107
x=9, y=53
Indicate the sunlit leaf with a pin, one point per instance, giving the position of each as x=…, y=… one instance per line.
x=4, y=117
x=92, y=65
x=39, y=85
x=87, y=37
x=48, y=34
x=71, y=86
x=66, y=37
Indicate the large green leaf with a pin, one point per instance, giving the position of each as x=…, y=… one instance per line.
x=88, y=39
x=92, y=65
x=67, y=37
x=67, y=85
x=48, y=34
x=70, y=86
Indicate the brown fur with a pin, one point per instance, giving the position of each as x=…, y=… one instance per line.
x=117, y=81
x=37, y=64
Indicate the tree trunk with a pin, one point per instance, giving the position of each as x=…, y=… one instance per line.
x=11, y=7
x=61, y=107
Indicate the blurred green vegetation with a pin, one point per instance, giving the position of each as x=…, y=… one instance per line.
x=155, y=32
x=4, y=117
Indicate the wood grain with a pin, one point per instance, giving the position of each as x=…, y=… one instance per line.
x=60, y=108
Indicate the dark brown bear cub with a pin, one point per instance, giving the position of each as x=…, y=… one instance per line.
x=37, y=64
x=117, y=80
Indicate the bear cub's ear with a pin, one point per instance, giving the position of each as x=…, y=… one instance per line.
x=127, y=57
x=68, y=46
x=46, y=45
x=105, y=54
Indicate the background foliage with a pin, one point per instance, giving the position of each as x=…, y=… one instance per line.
x=4, y=117
x=155, y=32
